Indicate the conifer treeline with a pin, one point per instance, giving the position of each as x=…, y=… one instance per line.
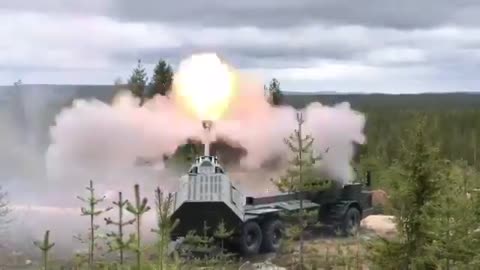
x=457, y=133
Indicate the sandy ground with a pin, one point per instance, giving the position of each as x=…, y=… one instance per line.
x=380, y=224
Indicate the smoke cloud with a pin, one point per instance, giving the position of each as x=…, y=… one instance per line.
x=260, y=128
x=95, y=139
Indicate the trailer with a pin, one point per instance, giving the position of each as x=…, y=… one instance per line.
x=207, y=195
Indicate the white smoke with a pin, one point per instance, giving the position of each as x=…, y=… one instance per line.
x=93, y=139
x=260, y=128
x=334, y=130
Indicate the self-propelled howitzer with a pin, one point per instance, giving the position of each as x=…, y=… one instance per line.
x=207, y=195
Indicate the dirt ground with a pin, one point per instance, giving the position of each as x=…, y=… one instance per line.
x=339, y=251
x=382, y=225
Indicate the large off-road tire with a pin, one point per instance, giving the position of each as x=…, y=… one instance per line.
x=351, y=222
x=273, y=232
x=250, y=238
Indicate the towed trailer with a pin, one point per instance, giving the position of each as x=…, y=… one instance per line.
x=206, y=195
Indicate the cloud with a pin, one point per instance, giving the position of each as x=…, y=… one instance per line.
x=307, y=44
x=396, y=56
x=407, y=14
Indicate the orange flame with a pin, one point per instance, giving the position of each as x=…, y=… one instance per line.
x=204, y=86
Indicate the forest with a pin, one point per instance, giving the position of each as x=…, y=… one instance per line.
x=422, y=150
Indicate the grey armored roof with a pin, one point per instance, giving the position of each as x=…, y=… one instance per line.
x=206, y=161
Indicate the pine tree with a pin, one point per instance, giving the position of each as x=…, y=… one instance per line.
x=222, y=233
x=45, y=247
x=164, y=225
x=456, y=235
x=162, y=79
x=474, y=149
x=138, y=210
x=276, y=95
x=118, y=82
x=138, y=81
x=301, y=175
x=300, y=178
x=92, y=211
x=4, y=209
x=119, y=243
x=413, y=203
x=475, y=234
x=199, y=244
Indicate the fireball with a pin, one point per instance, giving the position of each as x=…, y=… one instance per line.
x=204, y=86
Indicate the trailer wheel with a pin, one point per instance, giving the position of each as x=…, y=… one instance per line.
x=250, y=238
x=272, y=235
x=351, y=222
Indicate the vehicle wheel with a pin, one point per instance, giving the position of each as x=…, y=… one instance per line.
x=351, y=222
x=250, y=238
x=272, y=235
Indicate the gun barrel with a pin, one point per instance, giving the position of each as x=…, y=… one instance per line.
x=207, y=126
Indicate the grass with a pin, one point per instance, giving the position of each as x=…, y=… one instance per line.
x=322, y=253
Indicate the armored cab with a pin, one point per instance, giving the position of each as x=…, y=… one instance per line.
x=206, y=195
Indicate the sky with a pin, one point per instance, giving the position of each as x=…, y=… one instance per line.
x=386, y=46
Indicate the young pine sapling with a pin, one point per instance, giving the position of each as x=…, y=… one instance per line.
x=164, y=225
x=222, y=233
x=45, y=247
x=138, y=210
x=92, y=211
x=118, y=242
x=300, y=177
x=4, y=209
x=196, y=244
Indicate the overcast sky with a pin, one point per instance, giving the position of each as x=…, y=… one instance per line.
x=309, y=45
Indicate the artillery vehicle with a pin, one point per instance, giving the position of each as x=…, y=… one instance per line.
x=207, y=195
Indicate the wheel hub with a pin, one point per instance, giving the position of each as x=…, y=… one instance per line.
x=250, y=238
x=353, y=224
x=277, y=235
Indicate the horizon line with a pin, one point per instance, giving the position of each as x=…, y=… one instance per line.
x=288, y=92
